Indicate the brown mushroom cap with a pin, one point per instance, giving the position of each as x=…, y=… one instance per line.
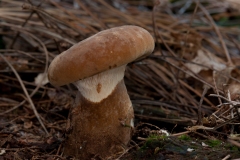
x=105, y=50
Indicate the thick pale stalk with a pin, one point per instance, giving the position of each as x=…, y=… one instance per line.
x=102, y=127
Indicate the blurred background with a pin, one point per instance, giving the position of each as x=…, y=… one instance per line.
x=191, y=78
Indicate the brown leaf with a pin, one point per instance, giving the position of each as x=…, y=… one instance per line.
x=28, y=124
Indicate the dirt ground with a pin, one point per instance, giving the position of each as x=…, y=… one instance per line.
x=185, y=94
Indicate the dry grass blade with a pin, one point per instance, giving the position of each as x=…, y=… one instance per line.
x=218, y=33
x=197, y=45
x=26, y=93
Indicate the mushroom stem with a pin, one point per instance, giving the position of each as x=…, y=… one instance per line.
x=102, y=119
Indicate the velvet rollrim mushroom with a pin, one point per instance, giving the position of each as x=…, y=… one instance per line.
x=102, y=117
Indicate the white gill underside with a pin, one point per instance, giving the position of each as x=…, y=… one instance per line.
x=100, y=86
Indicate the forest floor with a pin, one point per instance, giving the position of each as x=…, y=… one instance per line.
x=185, y=94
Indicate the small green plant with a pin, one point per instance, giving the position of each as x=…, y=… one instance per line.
x=153, y=141
x=184, y=137
x=214, y=143
x=156, y=137
x=231, y=147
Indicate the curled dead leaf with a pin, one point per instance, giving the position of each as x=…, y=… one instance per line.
x=28, y=124
x=205, y=61
x=41, y=79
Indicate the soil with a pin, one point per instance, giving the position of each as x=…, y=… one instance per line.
x=166, y=94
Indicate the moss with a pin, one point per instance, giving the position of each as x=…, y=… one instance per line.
x=213, y=143
x=184, y=137
x=231, y=147
x=154, y=141
x=156, y=137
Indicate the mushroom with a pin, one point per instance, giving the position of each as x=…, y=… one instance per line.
x=101, y=120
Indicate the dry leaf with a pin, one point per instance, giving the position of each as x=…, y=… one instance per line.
x=210, y=67
x=22, y=65
x=41, y=79
x=222, y=77
x=207, y=61
x=27, y=124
